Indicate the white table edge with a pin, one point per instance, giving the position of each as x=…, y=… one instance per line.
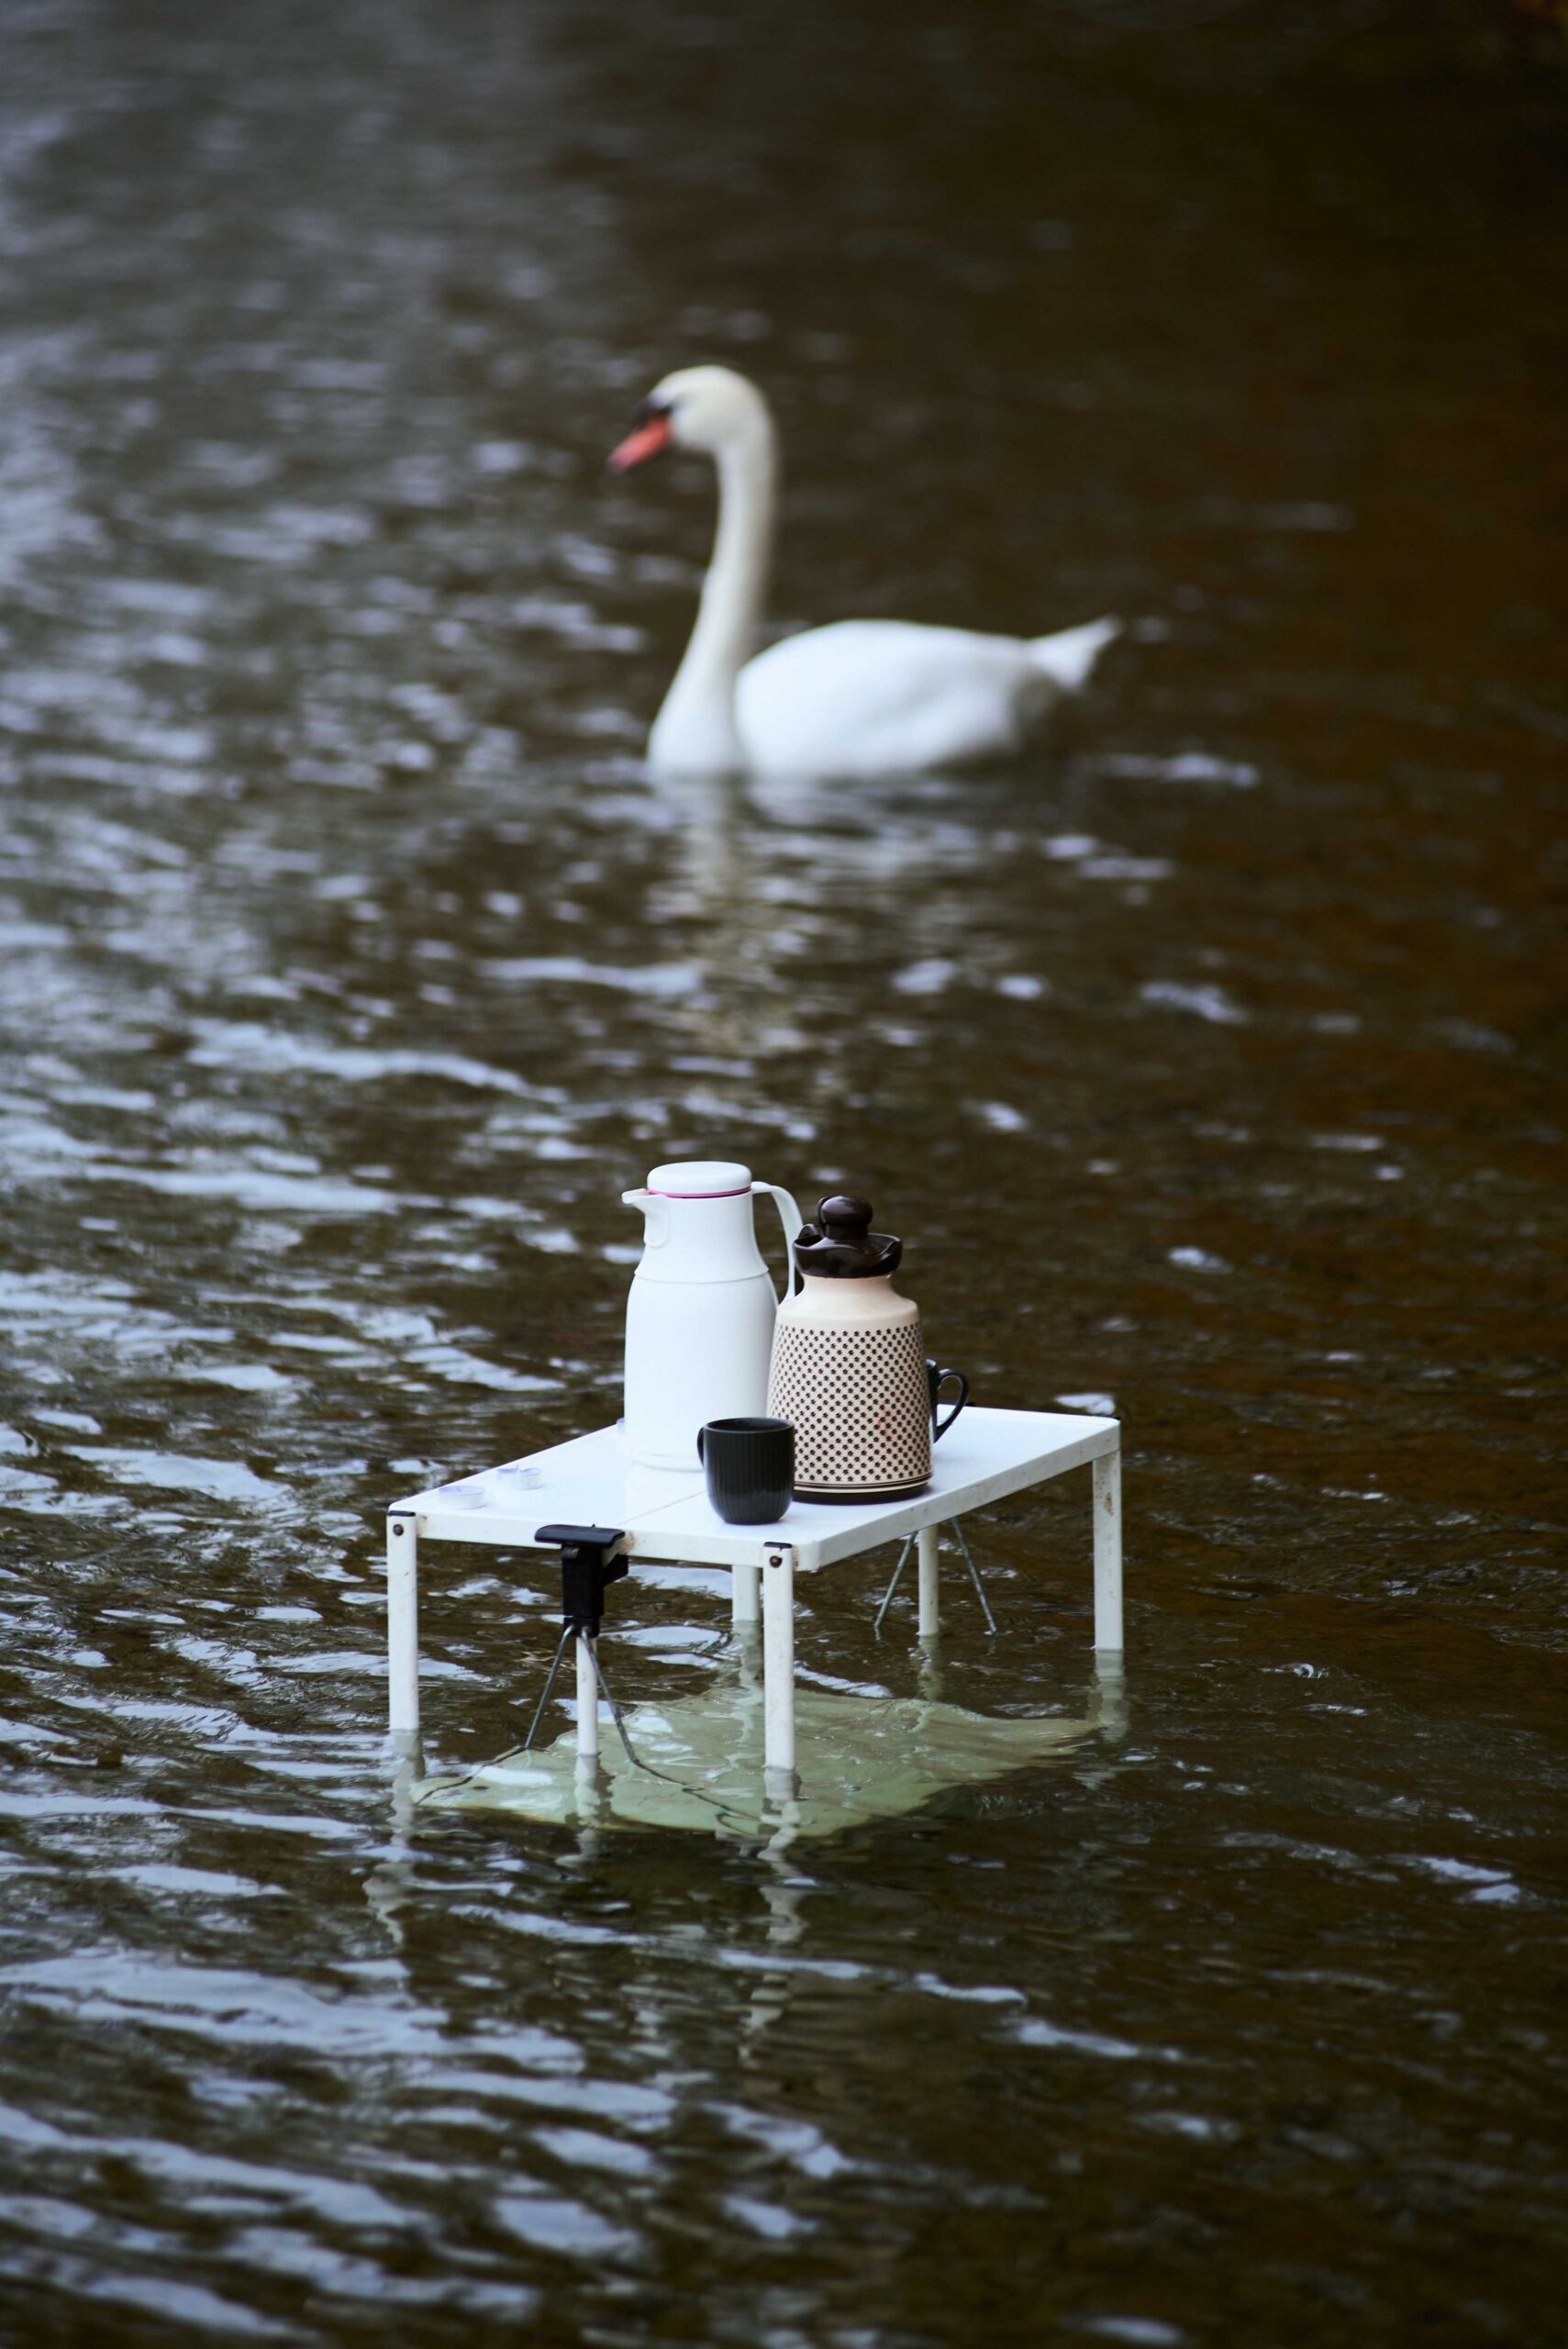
x=816, y=1540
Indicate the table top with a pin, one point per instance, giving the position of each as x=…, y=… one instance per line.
x=593, y=1480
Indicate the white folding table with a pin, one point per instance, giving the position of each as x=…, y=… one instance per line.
x=985, y=1456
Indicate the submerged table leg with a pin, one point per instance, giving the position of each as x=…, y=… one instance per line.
x=587, y=1701
x=778, y=1658
x=745, y=1598
x=1108, y=1553
x=403, y=1627
x=930, y=1538
x=1109, y=1704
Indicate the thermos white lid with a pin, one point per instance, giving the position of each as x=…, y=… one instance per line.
x=700, y=1178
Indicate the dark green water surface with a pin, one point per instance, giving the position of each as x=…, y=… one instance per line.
x=1212, y=1060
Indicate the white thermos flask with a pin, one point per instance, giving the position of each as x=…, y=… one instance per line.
x=699, y=1320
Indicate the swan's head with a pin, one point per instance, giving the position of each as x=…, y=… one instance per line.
x=710, y=409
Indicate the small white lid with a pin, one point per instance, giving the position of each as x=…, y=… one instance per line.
x=700, y=1178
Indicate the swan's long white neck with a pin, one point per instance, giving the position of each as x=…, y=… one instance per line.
x=695, y=728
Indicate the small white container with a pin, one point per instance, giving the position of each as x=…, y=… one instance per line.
x=699, y=1320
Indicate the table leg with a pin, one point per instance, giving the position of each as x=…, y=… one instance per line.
x=403, y=1627
x=587, y=1701
x=1108, y=1553
x=745, y=1599
x=1109, y=1704
x=930, y=1536
x=778, y=1658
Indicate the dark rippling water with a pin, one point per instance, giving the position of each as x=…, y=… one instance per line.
x=1212, y=1060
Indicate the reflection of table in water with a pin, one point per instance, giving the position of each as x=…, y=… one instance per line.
x=869, y=1757
x=987, y=1457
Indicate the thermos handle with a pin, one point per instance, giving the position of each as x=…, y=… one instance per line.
x=792, y=1220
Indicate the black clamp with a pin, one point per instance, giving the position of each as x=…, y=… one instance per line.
x=591, y=1559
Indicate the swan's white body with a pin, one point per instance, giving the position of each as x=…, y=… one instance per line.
x=858, y=697
x=873, y=697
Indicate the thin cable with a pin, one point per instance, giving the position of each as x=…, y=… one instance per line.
x=724, y=1809
x=632, y=1756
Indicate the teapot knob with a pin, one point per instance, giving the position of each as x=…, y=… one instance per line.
x=845, y=1218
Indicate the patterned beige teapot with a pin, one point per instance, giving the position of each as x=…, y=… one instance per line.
x=848, y=1367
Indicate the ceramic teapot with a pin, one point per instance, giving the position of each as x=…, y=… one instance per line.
x=699, y=1320
x=850, y=1367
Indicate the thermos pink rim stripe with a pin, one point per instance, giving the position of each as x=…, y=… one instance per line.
x=742, y=1191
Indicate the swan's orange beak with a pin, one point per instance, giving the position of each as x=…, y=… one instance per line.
x=649, y=437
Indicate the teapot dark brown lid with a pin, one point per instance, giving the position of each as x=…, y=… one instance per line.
x=841, y=1246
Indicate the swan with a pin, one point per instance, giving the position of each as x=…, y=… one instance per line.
x=858, y=697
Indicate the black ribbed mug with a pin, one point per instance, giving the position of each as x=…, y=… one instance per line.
x=749, y=1465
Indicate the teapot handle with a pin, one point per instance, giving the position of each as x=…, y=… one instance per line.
x=792, y=1220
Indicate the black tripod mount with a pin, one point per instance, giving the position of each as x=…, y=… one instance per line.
x=591, y=1559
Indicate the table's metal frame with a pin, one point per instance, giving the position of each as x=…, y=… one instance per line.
x=763, y=1564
